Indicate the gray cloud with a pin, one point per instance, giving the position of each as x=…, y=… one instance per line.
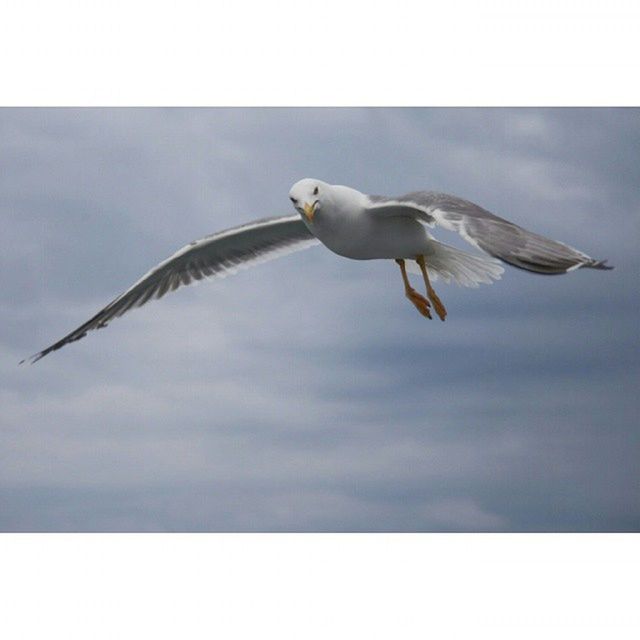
x=306, y=394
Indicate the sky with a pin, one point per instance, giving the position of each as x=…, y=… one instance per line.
x=307, y=394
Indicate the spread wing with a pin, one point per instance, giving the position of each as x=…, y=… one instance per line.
x=497, y=236
x=214, y=256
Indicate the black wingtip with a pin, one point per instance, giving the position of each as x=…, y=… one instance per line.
x=33, y=359
x=600, y=264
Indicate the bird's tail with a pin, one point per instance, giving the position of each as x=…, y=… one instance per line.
x=463, y=268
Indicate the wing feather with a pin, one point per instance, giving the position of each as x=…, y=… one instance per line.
x=488, y=232
x=214, y=256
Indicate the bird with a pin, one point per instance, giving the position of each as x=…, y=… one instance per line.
x=360, y=227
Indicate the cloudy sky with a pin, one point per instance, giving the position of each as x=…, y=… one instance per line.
x=307, y=394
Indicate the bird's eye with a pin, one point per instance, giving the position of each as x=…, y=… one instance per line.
x=293, y=200
x=315, y=191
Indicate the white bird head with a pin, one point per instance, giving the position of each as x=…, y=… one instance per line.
x=307, y=196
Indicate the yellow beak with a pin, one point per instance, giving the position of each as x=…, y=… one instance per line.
x=309, y=210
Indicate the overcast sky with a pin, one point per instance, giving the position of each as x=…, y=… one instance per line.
x=308, y=394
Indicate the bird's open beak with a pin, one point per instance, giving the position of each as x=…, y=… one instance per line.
x=309, y=210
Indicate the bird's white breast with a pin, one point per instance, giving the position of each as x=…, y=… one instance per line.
x=345, y=226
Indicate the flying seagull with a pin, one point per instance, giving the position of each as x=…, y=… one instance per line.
x=361, y=227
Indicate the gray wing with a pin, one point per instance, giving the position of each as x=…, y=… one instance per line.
x=215, y=256
x=497, y=236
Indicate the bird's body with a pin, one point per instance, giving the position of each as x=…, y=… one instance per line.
x=349, y=229
x=361, y=227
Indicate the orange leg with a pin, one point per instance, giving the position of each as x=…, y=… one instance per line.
x=420, y=302
x=437, y=304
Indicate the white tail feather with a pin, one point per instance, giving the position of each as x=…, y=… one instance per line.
x=465, y=269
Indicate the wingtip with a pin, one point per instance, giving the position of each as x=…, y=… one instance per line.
x=32, y=359
x=600, y=264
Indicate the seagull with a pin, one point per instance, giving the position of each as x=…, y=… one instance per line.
x=361, y=227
